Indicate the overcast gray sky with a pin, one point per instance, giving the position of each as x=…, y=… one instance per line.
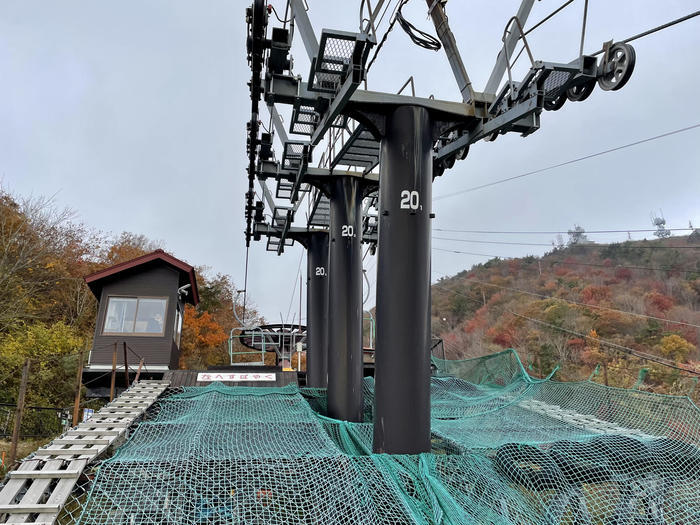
x=134, y=113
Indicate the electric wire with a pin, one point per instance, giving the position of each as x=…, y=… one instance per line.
x=286, y=21
x=598, y=340
x=419, y=37
x=613, y=267
x=245, y=279
x=577, y=303
x=291, y=300
x=568, y=162
x=585, y=305
x=610, y=344
x=593, y=245
x=518, y=232
x=654, y=30
x=386, y=34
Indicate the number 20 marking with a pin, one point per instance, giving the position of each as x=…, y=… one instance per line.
x=321, y=271
x=410, y=200
x=347, y=230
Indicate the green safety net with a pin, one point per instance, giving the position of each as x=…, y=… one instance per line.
x=506, y=449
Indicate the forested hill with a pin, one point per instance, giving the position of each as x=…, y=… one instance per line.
x=47, y=312
x=583, y=307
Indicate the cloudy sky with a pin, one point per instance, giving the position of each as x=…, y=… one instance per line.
x=133, y=113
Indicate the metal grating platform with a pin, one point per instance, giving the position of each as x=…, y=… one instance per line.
x=293, y=154
x=38, y=489
x=330, y=67
x=304, y=119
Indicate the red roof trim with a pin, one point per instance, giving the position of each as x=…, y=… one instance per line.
x=138, y=261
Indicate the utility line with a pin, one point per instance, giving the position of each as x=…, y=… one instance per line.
x=291, y=300
x=561, y=164
x=472, y=253
x=386, y=34
x=610, y=344
x=493, y=242
x=603, y=342
x=655, y=29
x=585, y=305
x=549, y=245
x=613, y=267
x=556, y=232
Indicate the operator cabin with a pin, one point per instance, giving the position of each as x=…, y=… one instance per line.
x=141, y=304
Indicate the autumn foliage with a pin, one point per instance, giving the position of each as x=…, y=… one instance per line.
x=579, y=300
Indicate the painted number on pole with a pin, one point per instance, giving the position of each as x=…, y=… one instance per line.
x=410, y=200
x=320, y=271
x=347, y=230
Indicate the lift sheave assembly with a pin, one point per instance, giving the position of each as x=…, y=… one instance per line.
x=366, y=189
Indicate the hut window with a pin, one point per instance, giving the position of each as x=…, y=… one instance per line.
x=135, y=315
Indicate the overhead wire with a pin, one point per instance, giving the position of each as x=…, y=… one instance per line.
x=383, y=40
x=301, y=257
x=277, y=16
x=654, y=30
x=568, y=162
x=610, y=344
x=574, y=263
x=577, y=303
x=540, y=232
x=598, y=340
x=592, y=245
x=417, y=36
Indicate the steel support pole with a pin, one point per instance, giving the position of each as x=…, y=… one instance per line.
x=345, y=300
x=402, y=359
x=317, y=310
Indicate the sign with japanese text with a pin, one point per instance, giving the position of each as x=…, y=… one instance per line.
x=236, y=376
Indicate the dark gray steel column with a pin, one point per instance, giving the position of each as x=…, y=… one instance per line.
x=345, y=301
x=402, y=359
x=317, y=310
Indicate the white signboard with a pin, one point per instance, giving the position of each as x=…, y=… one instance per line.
x=236, y=376
x=88, y=413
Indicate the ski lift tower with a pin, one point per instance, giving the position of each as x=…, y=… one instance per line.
x=411, y=140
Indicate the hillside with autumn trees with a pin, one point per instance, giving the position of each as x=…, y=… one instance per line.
x=47, y=312
x=622, y=314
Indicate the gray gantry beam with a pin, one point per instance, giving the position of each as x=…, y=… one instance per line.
x=437, y=13
x=303, y=25
x=511, y=41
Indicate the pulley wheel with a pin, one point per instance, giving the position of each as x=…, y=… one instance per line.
x=438, y=169
x=618, y=68
x=581, y=92
x=462, y=153
x=555, y=104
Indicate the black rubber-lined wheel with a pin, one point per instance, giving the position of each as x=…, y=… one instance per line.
x=528, y=466
x=462, y=153
x=556, y=103
x=617, y=70
x=624, y=454
x=438, y=169
x=676, y=458
x=581, y=92
x=580, y=462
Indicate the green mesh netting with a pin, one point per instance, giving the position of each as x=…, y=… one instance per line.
x=507, y=449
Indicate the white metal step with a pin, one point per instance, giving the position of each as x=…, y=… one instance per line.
x=44, y=474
